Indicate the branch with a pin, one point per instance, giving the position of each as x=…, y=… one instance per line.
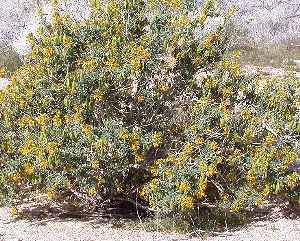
x=136, y=203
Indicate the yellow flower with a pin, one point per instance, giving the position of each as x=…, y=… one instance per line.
x=184, y=186
x=235, y=69
x=29, y=93
x=153, y=170
x=181, y=158
x=168, y=173
x=22, y=103
x=55, y=3
x=270, y=139
x=139, y=157
x=119, y=189
x=99, y=96
x=237, y=54
x=226, y=130
x=48, y=53
x=13, y=79
x=239, y=203
x=213, y=145
x=140, y=98
x=157, y=139
x=78, y=117
x=51, y=193
x=202, y=19
x=44, y=163
x=208, y=41
x=176, y=4
x=16, y=178
x=211, y=171
x=28, y=169
x=235, y=207
x=135, y=145
x=265, y=193
x=232, y=11
x=164, y=87
x=96, y=5
x=124, y=134
x=152, y=204
x=57, y=122
x=188, y=149
x=227, y=92
x=111, y=63
x=56, y=18
x=34, y=53
x=92, y=192
x=7, y=147
x=154, y=184
x=144, y=193
x=293, y=180
x=27, y=120
x=237, y=153
x=67, y=41
x=95, y=164
x=14, y=211
x=68, y=119
x=42, y=119
x=89, y=64
x=30, y=38
x=28, y=148
x=187, y=202
x=200, y=194
x=203, y=166
x=88, y=129
x=183, y=21
x=3, y=72
x=202, y=185
x=52, y=147
x=113, y=7
x=138, y=55
x=199, y=141
x=251, y=178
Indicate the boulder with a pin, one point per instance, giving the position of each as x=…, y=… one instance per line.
x=295, y=167
x=297, y=62
x=4, y=82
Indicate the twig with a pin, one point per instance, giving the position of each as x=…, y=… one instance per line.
x=83, y=197
x=138, y=214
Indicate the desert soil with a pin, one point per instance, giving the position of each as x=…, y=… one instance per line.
x=272, y=229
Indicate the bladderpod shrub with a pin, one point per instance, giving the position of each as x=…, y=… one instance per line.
x=140, y=99
x=99, y=100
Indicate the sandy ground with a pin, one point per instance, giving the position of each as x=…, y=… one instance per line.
x=281, y=229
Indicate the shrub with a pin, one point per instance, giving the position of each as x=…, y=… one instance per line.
x=137, y=100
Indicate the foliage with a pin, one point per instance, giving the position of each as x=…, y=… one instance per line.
x=138, y=100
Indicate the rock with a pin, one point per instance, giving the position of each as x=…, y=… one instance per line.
x=295, y=167
x=4, y=82
x=297, y=62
